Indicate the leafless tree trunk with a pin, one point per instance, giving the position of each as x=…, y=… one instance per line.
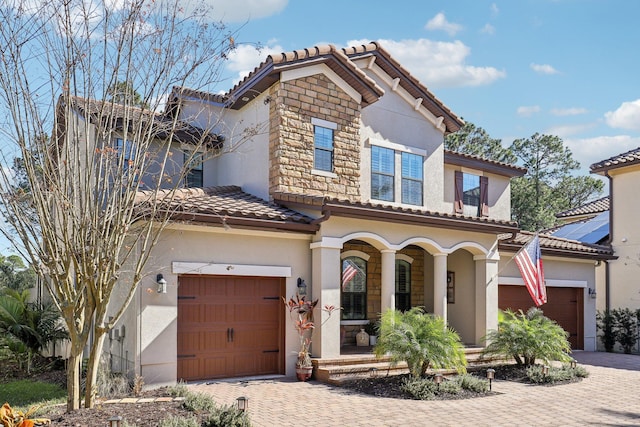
x=82, y=219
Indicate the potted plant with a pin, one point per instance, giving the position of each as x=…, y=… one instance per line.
x=301, y=309
x=371, y=328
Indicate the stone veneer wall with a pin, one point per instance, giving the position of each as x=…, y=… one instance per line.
x=374, y=283
x=291, y=138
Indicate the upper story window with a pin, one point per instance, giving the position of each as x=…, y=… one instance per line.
x=472, y=196
x=406, y=187
x=126, y=150
x=323, y=145
x=354, y=288
x=403, y=285
x=382, y=173
x=412, y=181
x=194, y=162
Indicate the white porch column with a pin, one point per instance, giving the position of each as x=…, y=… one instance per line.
x=388, y=278
x=440, y=285
x=325, y=266
x=486, y=294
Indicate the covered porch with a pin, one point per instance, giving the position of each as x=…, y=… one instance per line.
x=365, y=273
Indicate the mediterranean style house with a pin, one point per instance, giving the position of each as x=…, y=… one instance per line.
x=621, y=289
x=343, y=192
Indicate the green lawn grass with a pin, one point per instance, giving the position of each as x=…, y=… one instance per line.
x=25, y=393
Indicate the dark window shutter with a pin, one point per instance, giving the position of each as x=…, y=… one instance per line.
x=484, y=196
x=457, y=204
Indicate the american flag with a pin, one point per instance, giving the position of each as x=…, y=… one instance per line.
x=349, y=271
x=529, y=261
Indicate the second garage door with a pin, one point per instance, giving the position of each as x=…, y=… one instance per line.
x=564, y=305
x=229, y=327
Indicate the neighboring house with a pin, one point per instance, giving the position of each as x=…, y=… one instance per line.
x=622, y=289
x=345, y=170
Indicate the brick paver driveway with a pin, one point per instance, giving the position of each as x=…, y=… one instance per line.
x=609, y=397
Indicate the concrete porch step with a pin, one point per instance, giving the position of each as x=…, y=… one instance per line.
x=357, y=366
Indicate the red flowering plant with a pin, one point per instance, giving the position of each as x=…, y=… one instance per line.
x=302, y=309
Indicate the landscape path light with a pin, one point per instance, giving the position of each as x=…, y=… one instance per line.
x=491, y=373
x=243, y=403
x=115, y=421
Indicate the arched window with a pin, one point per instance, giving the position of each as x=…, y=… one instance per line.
x=354, y=288
x=403, y=285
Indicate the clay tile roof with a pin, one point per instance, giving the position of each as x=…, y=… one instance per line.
x=550, y=245
x=477, y=162
x=161, y=124
x=228, y=205
x=629, y=158
x=594, y=207
x=390, y=213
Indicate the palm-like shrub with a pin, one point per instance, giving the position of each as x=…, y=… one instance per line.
x=422, y=340
x=527, y=337
x=28, y=327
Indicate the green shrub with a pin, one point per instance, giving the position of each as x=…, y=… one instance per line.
x=527, y=337
x=227, y=416
x=198, y=402
x=178, y=390
x=606, y=324
x=555, y=375
x=427, y=389
x=422, y=340
x=419, y=388
x=625, y=328
x=177, y=421
x=472, y=383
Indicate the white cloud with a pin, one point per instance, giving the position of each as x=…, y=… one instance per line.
x=528, y=111
x=488, y=29
x=564, y=131
x=246, y=57
x=438, y=64
x=494, y=10
x=593, y=150
x=439, y=22
x=544, y=69
x=568, y=111
x=627, y=116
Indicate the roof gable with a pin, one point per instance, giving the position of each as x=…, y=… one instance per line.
x=630, y=158
x=342, y=63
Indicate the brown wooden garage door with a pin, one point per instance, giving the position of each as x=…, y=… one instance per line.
x=564, y=305
x=229, y=327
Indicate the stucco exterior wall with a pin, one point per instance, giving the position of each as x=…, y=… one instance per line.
x=624, y=276
x=394, y=120
x=499, y=193
x=245, y=158
x=157, y=323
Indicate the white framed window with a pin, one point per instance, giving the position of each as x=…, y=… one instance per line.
x=126, y=150
x=194, y=177
x=412, y=179
x=382, y=173
x=323, y=144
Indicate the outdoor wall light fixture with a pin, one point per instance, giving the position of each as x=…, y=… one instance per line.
x=162, y=284
x=243, y=403
x=491, y=373
x=438, y=379
x=115, y=421
x=592, y=293
x=302, y=287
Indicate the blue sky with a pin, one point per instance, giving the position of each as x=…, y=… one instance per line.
x=570, y=68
